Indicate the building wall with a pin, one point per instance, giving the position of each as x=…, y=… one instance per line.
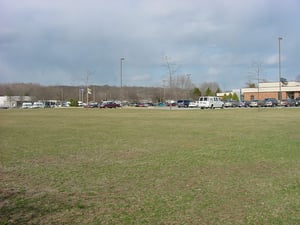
x=13, y=101
x=263, y=95
x=271, y=90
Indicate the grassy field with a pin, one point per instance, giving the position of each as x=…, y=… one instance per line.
x=147, y=166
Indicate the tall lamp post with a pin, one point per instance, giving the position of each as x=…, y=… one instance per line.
x=188, y=83
x=121, y=77
x=279, y=69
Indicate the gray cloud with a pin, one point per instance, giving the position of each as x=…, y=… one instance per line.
x=58, y=42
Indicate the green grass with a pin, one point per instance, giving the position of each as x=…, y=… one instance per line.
x=140, y=166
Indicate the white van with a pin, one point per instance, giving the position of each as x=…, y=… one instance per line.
x=26, y=105
x=212, y=102
x=37, y=105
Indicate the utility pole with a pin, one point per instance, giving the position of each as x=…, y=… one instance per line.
x=257, y=71
x=164, y=86
x=170, y=80
x=279, y=69
x=121, y=78
x=188, y=84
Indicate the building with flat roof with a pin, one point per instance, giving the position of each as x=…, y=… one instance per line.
x=287, y=90
x=13, y=101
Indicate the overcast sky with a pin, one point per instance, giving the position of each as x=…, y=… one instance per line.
x=64, y=42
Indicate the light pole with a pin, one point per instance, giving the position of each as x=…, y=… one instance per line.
x=164, y=85
x=188, y=83
x=279, y=70
x=170, y=80
x=121, y=77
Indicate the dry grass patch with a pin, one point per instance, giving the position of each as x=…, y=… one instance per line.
x=149, y=167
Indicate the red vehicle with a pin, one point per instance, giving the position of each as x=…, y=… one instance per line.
x=109, y=105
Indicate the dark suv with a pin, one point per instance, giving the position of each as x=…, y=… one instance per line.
x=183, y=103
x=297, y=101
x=270, y=102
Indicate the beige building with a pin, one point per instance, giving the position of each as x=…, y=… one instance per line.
x=13, y=101
x=272, y=90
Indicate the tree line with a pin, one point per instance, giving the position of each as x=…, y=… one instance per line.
x=97, y=93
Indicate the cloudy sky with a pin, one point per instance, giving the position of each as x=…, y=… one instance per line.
x=70, y=42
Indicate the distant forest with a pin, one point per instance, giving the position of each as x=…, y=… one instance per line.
x=100, y=93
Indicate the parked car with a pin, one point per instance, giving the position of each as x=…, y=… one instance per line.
x=66, y=104
x=270, y=102
x=288, y=102
x=297, y=101
x=230, y=103
x=171, y=103
x=244, y=104
x=161, y=104
x=292, y=102
x=284, y=103
x=109, y=104
x=38, y=105
x=227, y=104
x=91, y=105
x=80, y=104
x=193, y=104
x=183, y=103
x=256, y=103
x=147, y=104
x=140, y=104
x=26, y=105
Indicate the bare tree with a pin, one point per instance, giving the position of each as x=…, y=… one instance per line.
x=172, y=68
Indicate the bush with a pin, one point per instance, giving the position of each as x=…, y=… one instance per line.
x=73, y=102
